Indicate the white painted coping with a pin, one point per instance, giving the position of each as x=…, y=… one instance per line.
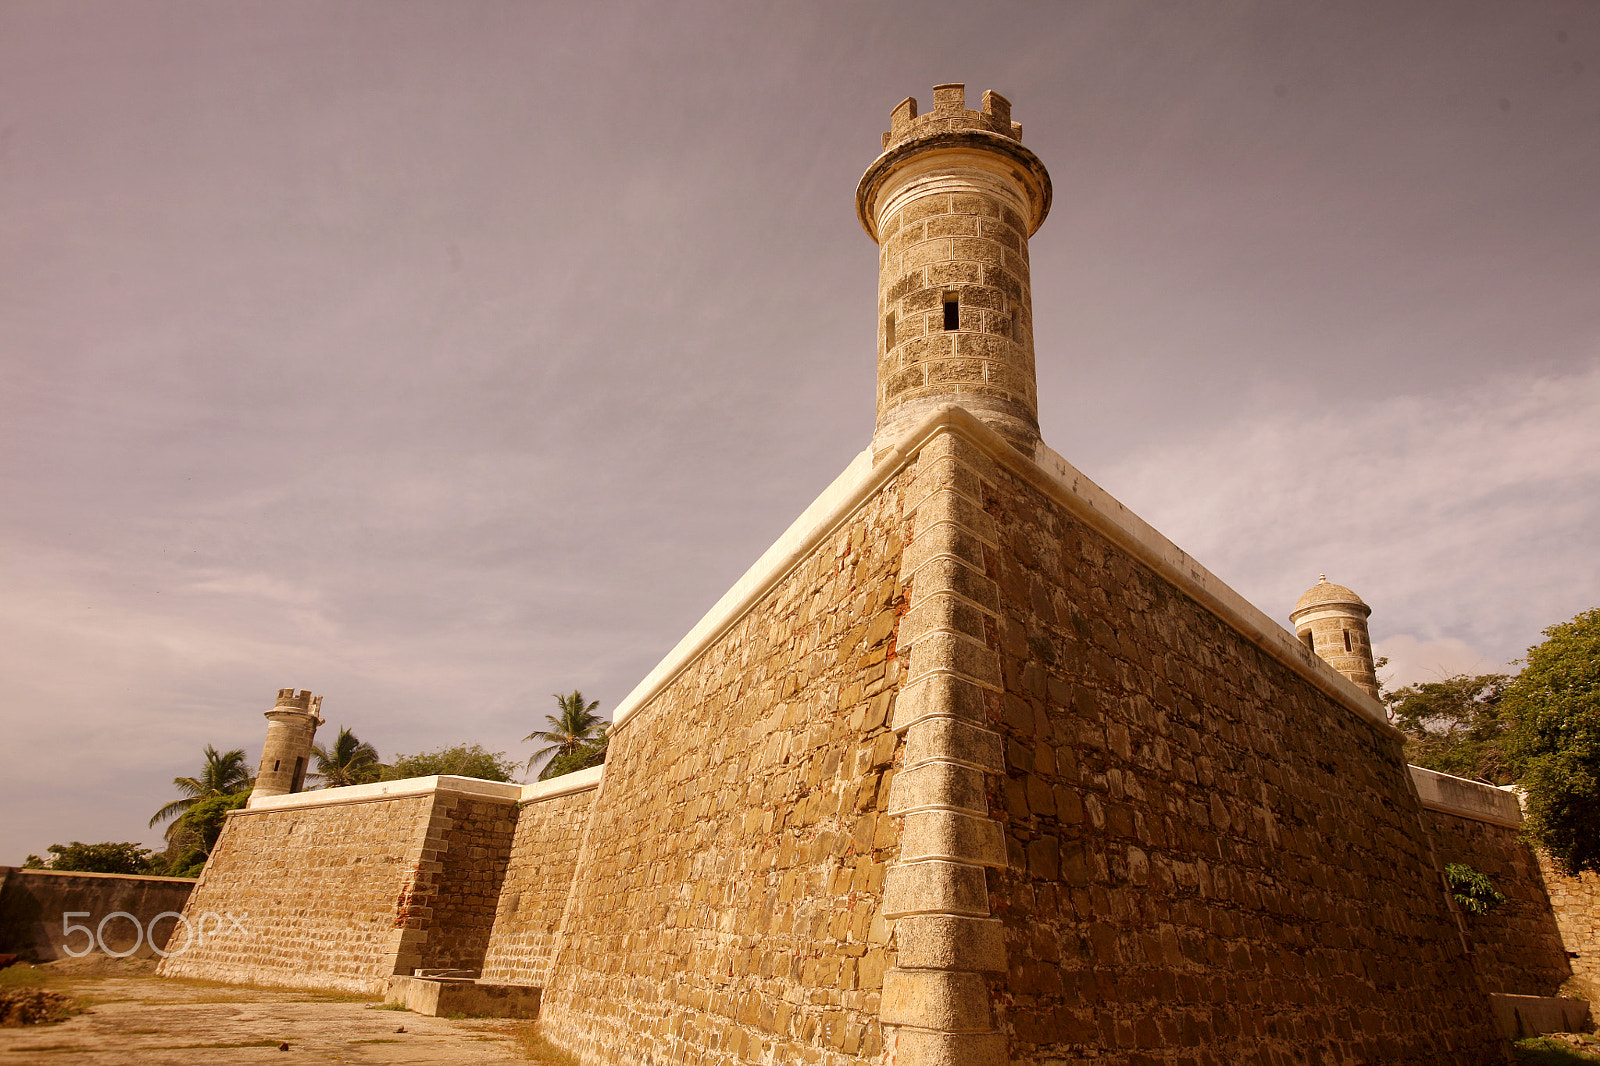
x=1108, y=515
x=502, y=791
x=564, y=785
x=1051, y=474
x=1467, y=799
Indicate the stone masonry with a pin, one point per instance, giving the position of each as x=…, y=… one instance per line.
x=345, y=888
x=1207, y=858
x=544, y=853
x=1517, y=947
x=726, y=907
x=1575, y=902
x=952, y=202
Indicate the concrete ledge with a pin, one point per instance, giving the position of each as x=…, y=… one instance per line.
x=1105, y=513
x=837, y=502
x=7, y=871
x=1053, y=475
x=1524, y=1016
x=495, y=791
x=565, y=785
x=1466, y=799
x=444, y=996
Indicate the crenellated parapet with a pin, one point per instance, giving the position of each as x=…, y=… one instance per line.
x=950, y=113
x=286, y=754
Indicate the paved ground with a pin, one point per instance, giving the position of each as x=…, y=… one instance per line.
x=137, y=1018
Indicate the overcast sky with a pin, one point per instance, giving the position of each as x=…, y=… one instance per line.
x=439, y=357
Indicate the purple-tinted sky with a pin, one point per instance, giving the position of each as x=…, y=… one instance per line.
x=440, y=357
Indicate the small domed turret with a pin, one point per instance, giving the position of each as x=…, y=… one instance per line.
x=1331, y=621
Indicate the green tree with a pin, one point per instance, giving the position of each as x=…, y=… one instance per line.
x=1454, y=726
x=574, y=727
x=591, y=754
x=195, y=834
x=461, y=761
x=1554, y=741
x=107, y=858
x=351, y=761
x=224, y=774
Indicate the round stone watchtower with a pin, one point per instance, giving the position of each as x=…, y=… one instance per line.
x=1332, y=621
x=952, y=202
x=291, y=730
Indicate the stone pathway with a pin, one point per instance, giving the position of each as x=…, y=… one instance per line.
x=144, y=1020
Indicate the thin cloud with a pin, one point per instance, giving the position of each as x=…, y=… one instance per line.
x=1465, y=519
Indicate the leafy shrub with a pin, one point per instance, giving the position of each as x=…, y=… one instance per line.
x=1473, y=892
x=106, y=858
x=461, y=761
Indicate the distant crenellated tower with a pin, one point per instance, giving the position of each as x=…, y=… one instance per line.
x=1332, y=621
x=952, y=202
x=291, y=730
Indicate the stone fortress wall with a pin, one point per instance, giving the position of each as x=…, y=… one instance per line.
x=550, y=823
x=726, y=904
x=1211, y=843
x=1545, y=939
x=1517, y=948
x=344, y=888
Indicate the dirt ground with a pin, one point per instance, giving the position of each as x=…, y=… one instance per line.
x=134, y=1017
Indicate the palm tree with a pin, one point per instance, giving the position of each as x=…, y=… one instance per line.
x=351, y=761
x=224, y=774
x=575, y=727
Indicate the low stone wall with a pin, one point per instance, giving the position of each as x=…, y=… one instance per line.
x=1575, y=902
x=344, y=888
x=1545, y=939
x=37, y=907
x=550, y=825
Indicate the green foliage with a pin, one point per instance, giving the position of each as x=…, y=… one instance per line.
x=1455, y=726
x=1554, y=741
x=107, y=858
x=223, y=774
x=1547, y=1051
x=22, y=975
x=461, y=761
x=1473, y=892
x=351, y=761
x=590, y=754
x=196, y=832
x=575, y=727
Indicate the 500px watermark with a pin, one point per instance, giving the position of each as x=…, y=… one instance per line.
x=145, y=932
